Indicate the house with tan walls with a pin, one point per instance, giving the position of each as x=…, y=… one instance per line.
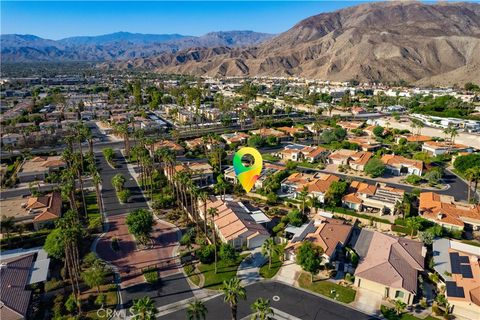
x=389, y=266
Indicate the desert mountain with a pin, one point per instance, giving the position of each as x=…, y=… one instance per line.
x=412, y=41
x=116, y=46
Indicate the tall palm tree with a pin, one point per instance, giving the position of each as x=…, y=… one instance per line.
x=268, y=249
x=303, y=197
x=233, y=291
x=196, y=310
x=144, y=309
x=473, y=176
x=262, y=310
x=213, y=212
x=413, y=223
x=313, y=202
x=203, y=195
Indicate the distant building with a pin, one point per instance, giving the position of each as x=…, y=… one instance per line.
x=398, y=165
x=445, y=211
x=39, y=167
x=167, y=144
x=235, y=138
x=316, y=185
x=437, y=148
x=200, y=173
x=297, y=152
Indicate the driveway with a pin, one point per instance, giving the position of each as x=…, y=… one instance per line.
x=249, y=269
x=367, y=301
x=288, y=273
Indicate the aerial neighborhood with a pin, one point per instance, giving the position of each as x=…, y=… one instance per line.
x=120, y=198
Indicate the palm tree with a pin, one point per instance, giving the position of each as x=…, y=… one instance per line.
x=213, y=212
x=233, y=290
x=268, y=248
x=262, y=310
x=118, y=181
x=303, y=197
x=313, y=202
x=413, y=223
x=144, y=309
x=472, y=175
x=204, y=197
x=7, y=226
x=196, y=310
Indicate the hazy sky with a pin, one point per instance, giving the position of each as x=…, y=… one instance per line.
x=59, y=19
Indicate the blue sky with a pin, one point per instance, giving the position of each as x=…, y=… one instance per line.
x=59, y=19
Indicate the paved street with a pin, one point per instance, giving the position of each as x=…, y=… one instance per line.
x=129, y=259
x=295, y=302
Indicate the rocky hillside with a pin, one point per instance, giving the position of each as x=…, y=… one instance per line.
x=116, y=46
x=411, y=41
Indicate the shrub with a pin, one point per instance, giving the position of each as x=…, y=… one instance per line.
x=151, y=275
x=227, y=252
x=189, y=268
x=413, y=179
x=123, y=195
x=71, y=303
x=375, y=168
x=206, y=254
x=53, y=284
x=349, y=278
x=101, y=299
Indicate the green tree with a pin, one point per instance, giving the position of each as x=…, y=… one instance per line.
x=262, y=310
x=233, y=291
x=375, y=168
x=118, y=181
x=268, y=249
x=473, y=176
x=95, y=276
x=144, y=309
x=309, y=257
x=378, y=131
x=335, y=192
x=227, y=253
x=54, y=245
x=413, y=223
x=196, y=310
x=140, y=224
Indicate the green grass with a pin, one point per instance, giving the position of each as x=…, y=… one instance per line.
x=92, y=206
x=308, y=165
x=355, y=214
x=151, y=275
x=324, y=287
x=225, y=271
x=269, y=157
x=269, y=273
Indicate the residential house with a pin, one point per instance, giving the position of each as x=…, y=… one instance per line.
x=200, y=173
x=444, y=210
x=39, y=167
x=398, y=165
x=268, y=132
x=350, y=125
x=367, y=197
x=366, y=143
x=297, y=152
x=292, y=131
x=341, y=157
x=437, y=148
x=329, y=234
x=235, y=138
x=414, y=138
x=12, y=139
x=268, y=169
x=236, y=224
x=39, y=211
x=18, y=272
x=457, y=264
x=199, y=144
x=389, y=266
x=359, y=159
x=167, y=144
x=316, y=185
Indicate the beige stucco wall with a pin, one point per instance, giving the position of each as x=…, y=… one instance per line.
x=382, y=289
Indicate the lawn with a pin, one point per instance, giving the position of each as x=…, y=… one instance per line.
x=92, y=206
x=225, y=271
x=269, y=273
x=324, y=287
x=269, y=157
x=472, y=242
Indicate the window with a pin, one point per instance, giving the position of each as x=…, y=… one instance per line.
x=399, y=294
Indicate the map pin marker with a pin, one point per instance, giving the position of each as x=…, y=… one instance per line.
x=247, y=175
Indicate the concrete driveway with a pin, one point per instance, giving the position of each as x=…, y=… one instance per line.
x=289, y=273
x=249, y=269
x=367, y=301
